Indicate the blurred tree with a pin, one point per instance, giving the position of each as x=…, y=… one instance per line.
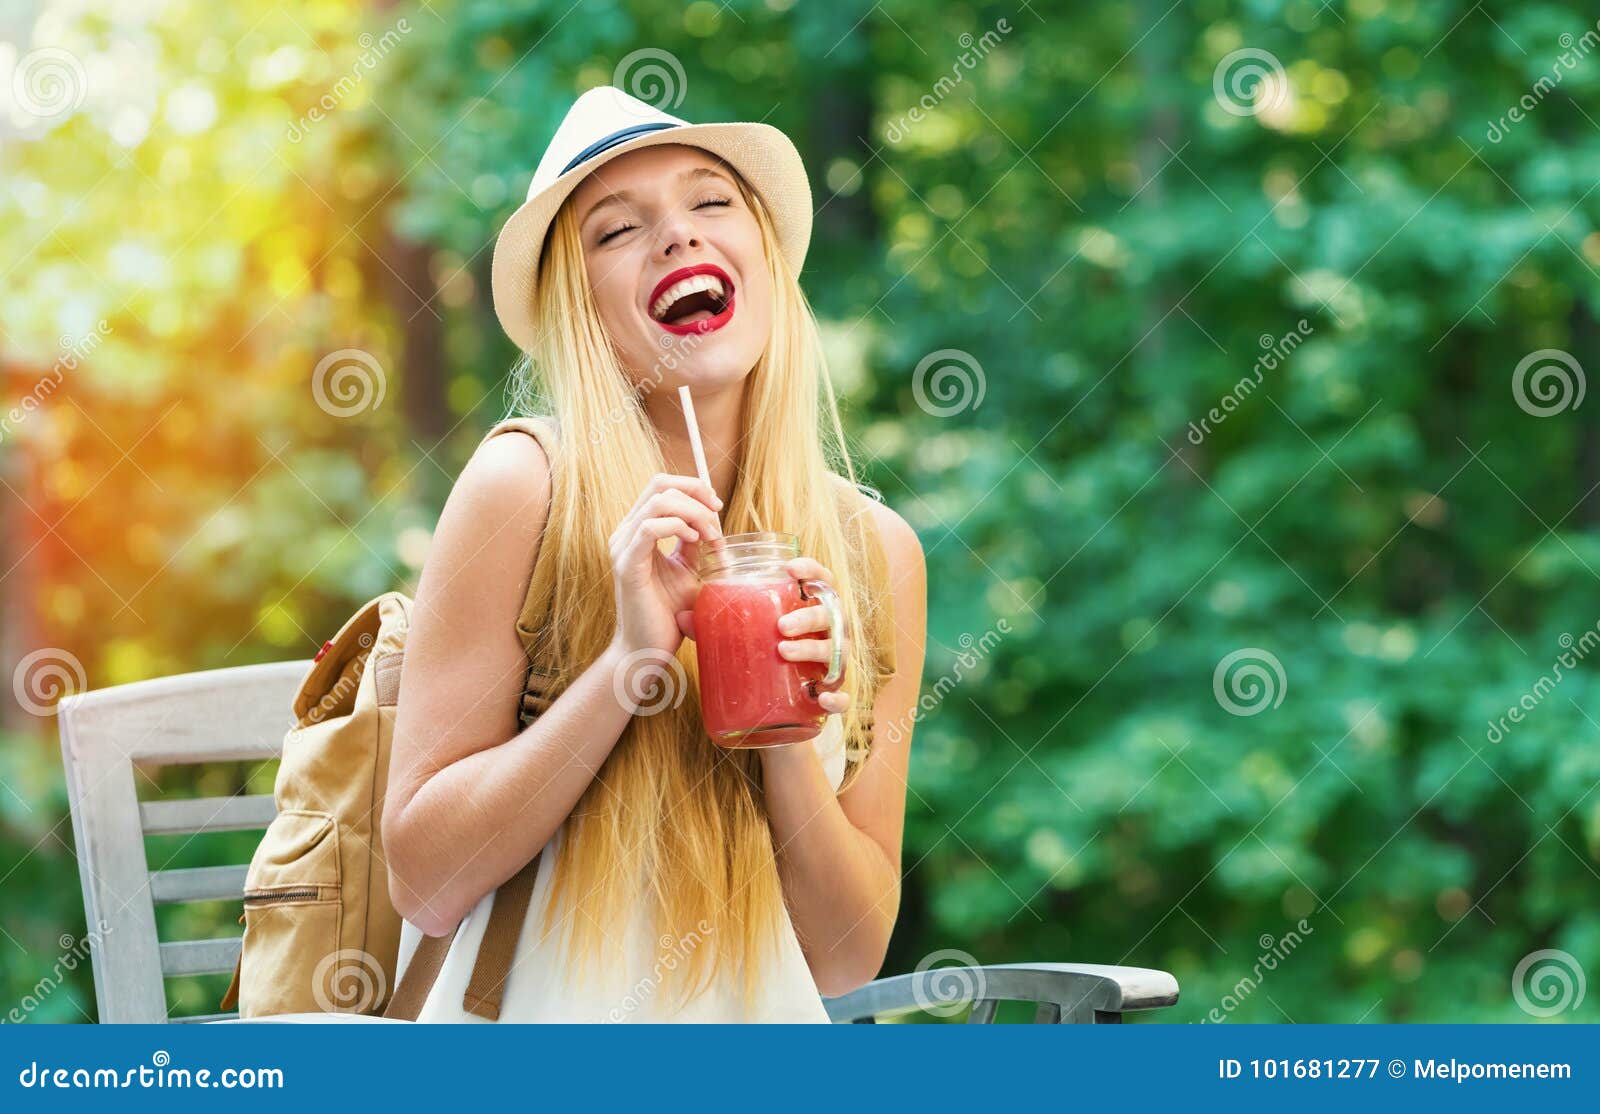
x=1243, y=299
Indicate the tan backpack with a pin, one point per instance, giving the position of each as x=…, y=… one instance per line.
x=321, y=934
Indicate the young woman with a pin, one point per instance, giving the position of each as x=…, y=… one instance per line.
x=677, y=880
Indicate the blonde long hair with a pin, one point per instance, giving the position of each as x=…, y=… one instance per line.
x=666, y=801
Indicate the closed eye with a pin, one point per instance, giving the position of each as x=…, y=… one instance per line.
x=620, y=229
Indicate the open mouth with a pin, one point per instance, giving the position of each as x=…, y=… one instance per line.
x=690, y=300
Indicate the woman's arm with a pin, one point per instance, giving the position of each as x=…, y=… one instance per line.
x=470, y=799
x=839, y=856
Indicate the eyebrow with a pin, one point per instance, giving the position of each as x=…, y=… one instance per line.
x=623, y=196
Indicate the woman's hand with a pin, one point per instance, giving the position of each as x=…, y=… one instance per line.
x=653, y=589
x=810, y=620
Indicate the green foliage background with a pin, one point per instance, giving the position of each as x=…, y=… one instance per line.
x=1081, y=216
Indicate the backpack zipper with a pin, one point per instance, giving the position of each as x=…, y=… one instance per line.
x=259, y=897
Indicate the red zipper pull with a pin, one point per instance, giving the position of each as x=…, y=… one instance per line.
x=326, y=646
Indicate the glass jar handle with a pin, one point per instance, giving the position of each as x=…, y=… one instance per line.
x=838, y=629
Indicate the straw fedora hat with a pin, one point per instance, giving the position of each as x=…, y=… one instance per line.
x=606, y=122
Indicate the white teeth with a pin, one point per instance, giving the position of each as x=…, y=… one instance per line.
x=682, y=289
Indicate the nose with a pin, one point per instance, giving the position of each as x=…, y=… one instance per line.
x=676, y=233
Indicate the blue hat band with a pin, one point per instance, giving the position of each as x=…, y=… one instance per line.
x=600, y=146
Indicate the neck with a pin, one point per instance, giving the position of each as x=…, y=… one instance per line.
x=717, y=412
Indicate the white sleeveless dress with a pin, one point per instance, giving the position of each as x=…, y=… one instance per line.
x=538, y=988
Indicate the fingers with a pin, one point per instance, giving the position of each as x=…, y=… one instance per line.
x=673, y=503
x=688, y=555
x=651, y=531
x=805, y=620
x=686, y=624
x=662, y=482
x=805, y=649
x=690, y=485
x=808, y=568
x=834, y=703
x=697, y=522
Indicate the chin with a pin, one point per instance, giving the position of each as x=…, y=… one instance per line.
x=709, y=375
x=701, y=363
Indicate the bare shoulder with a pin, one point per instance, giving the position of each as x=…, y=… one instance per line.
x=485, y=543
x=900, y=542
x=901, y=546
x=507, y=476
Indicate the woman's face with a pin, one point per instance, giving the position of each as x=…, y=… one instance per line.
x=675, y=266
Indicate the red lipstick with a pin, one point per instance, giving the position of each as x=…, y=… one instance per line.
x=707, y=325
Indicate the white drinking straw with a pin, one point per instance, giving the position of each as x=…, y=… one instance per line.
x=694, y=440
x=694, y=435
x=700, y=450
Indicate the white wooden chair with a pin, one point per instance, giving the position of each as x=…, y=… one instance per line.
x=225, y=715
x=241, y=715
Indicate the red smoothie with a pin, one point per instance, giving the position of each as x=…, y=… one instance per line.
x=751, y=696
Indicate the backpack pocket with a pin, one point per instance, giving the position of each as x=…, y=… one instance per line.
x=292, y=909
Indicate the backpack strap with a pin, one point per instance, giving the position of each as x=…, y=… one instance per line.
x=538, y=691
x=496, y=953
x=421, y=973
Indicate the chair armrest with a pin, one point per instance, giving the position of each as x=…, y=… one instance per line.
x=1067, y=993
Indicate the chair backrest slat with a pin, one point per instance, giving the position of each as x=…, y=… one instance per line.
x=199, y=957
x=207, y=814
x=202, y=883
x=225, y=715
